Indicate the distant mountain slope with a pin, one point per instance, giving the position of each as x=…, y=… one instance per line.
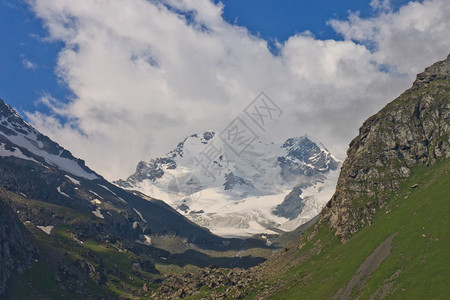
x=18, y=139
x=238, y=195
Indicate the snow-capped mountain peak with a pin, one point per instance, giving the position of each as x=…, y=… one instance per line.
x=240, y=194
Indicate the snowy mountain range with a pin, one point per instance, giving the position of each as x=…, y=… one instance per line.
x=268, y=188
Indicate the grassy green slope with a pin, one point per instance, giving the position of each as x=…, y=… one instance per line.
x=62, y=250
x=418, y=264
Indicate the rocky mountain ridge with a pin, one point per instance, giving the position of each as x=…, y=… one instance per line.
x=413, y=129
x=19, y=139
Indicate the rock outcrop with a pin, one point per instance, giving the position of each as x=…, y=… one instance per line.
x=224, y=283
x=413, y=129
x=16, y=250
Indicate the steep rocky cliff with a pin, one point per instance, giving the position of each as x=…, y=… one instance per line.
x=16, y=251
x=411, y=130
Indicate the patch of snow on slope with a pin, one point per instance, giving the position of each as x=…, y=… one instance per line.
x=46, y=229
x=15, y=153
x=106, y=188
x=61, y=192
x=74, y=181
x=98, y=213
x=140, y=215
x=96, y=201
x=121, y=199
x=94, y=193
x=65, y=164
x=147, y=241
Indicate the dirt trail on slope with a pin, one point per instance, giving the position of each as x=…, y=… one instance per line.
x=371, y=263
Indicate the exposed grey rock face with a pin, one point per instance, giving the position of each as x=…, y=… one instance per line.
x=413, y=129
x=304, y=150
x=292, y=205
x=16, y=250
x=231, y=180
x=307, y=164
x=154, y=169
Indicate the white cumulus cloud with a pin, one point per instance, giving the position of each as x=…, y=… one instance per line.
x=145, y=74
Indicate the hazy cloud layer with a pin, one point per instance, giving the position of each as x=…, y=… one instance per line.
x=145, y=74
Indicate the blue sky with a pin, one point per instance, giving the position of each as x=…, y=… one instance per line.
x=22, y=36
x=282, y=19
x=23, y=39
x=124, y=81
